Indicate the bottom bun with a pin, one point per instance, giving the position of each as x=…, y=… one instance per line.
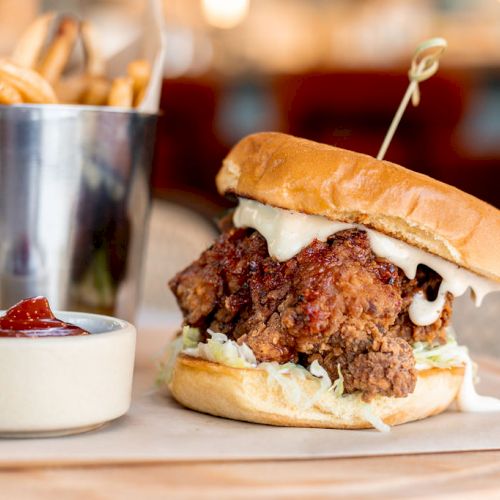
x=249, y=394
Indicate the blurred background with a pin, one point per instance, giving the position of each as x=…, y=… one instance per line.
x=332, y=71
x=329, y=70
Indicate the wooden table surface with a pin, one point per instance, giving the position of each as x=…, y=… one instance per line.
x=453, y=475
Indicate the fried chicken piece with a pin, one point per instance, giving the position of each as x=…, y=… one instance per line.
x=385, y=368
x=334, y=301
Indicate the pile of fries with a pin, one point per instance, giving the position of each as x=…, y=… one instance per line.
x=39, y=69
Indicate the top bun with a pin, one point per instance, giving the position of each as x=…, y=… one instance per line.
x=313, y=178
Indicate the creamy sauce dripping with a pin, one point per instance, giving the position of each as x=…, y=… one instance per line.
x=287, y=233
x=468, y=399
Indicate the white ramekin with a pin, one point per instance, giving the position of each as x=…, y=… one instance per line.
x=64, y=385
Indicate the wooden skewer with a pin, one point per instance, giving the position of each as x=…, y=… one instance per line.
x=424, y=64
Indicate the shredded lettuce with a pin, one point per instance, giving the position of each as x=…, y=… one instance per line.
x=370, y=416
x=228, y=352
x=338, y=386
x=218, y=348
x=166, y=365
x=325, y=383
x=224, y=351
x=318, y=371
x=190, y=337
x=440, y=356
x=287, y=376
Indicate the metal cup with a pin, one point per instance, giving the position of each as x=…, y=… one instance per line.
x=74, y=202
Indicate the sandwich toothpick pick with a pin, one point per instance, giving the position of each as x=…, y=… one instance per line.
x=424, y=64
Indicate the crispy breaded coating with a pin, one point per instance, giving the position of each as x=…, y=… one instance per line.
x=335, y=302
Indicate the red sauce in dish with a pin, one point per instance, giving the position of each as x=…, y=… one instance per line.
x=34, y=318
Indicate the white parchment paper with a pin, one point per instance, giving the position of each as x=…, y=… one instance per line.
x=149, y=45
x=157, y=429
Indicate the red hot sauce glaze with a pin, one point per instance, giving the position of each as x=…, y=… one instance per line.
x=34, y=318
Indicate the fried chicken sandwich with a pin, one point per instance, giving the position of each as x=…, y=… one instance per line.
x=327, y=299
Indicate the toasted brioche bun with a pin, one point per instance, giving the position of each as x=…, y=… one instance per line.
x=248, y=394
x=305, y=176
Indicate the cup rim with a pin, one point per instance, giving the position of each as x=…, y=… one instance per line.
x=77, y=107
x=118, y=326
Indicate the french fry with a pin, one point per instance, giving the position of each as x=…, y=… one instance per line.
x=70, y=89
x=94, y=64
x=32, y=87
x=57, y=55
x=97, y=92
x=8, y=94
x=35, y=74
x=29, y=47
x=140, y=72
x=122, y=92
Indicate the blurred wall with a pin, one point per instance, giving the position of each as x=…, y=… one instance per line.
x=333, y=71
x=451, y=136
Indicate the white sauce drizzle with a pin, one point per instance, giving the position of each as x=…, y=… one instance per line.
x=288, y=232
x=451, y=355
x=468, y=400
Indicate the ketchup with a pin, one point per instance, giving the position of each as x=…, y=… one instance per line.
x=34, y=318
